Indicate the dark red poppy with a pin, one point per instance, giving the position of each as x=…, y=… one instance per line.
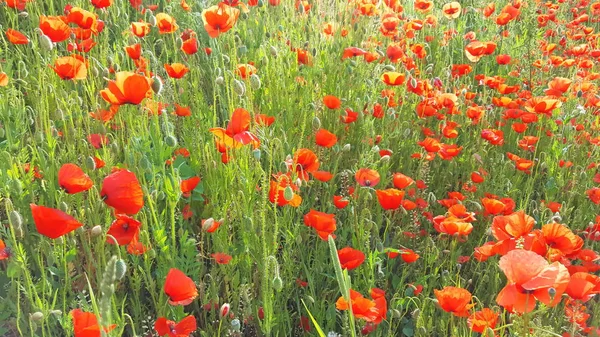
x=124, y=229
x=53, y=223
x=73, y=180
x=122, y=191
x=180, y=288
x=185, y=327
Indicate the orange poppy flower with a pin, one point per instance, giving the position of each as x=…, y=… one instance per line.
x=264, y=120
x=185, y=327
x=350, y=258
x=304, y=162
x=237, y=135
x=140, y=29
x=4, y=252
x=188, y=185
x=476, y=50
x=362, y=308
x=393, y=78
x=134, y=51
x=481, y=320
x=323, y=223
x=166, y=24
x=451, y=10
x=101, y=3
x=3, y=79
x=409, y=255
x=53, y=223
x=55, y=27
x=16, y=37
x=127, y=88
x=176, y=70
x=367, y=177
x=515, y=225
x=124, y=229
x=82, y=18
x=181, y=111
x=583, y=286
x=561, y=241
x=423, y=6
x=332, y=102
x=390, y=198
x=245, y=70
x=492, y=206
x=73, y=180
x=277, y=187
x=325, y=138
x=452, y=225
x=530, y=277
x=323, y=176
x=221, y=258
x=340, y=202
x=352, y=52
x=454, y=300
x=402, y=181
x=190, y=46
x=85, y=324
x=121, y=190
x=180, y=288
x=70, y=68
x=219, y=19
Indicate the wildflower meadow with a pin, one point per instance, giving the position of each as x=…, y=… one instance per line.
x=299, y=168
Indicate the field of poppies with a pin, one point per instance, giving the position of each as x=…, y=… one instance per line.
x=299, y=168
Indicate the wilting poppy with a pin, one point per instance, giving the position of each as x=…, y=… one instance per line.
x=70, y=68
x=128, y=88
x=481, y=320
x=323, y=223
x=185, y=327
x=304, y=162
x=530, y=277
x=73, y=180
x=219, y=19
x=176, y=70
x=454, y=300
x=390, y=198
x=180, y=288
x=221, y=258
x=16, y=37
x=237, y=135
x=55, y=27
x=53, y=223
x=124, y=229
x=332, y=102
x=350, y=258
x=325, y=138
x=121, y=190
x=367, y=177
x=85, y=324
x=165, y=23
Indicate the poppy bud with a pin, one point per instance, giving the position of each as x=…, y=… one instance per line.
x=151, y=253
x=156, y=85
x=46, y=43
x=55, y=312
x=552, y=292
x=236, y=325
x=242, y=49
x=385, y=159
x=375, y=148
x=225, y=58
x=579, y=93
x=415, y=314
x=171, y=141
x=273, y=51
x=120, y=269
x=261, y=3
x=114, y=148
x=277, y=283
x=389, y=67
x=63, y=206
x=224, y=310
x=23, y=14
x=489, y=332
x=310, y=299
x=347, y=148
x=288, y=193
x=179, y=42
x=2, y=132
x=298, y=239
x=256, y=153
x=316, y=123
x=15, y=219
x=219, y=80
x=16, y=186
x=239, y=87
x=255, y=81
x=96, y=231
x=207, y=224
x=37, y=316
x=152, y=20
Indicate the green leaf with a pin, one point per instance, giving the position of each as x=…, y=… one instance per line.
x=319, y=330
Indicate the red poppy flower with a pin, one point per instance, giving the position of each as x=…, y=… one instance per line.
x=353, y=52
x=367, y=177
x=182, y=111
x=101, y=3
x=165, y=23
x=390, y=198
x=73, y=180
x=16, y=37
x=409, y=255
x=332, y=102
x=323, y=223
x=135, y=247
x=325, y=138
x=122, y=191
x=124, y=229
x=4, y=252
x=134, y=51
x=210, y=225
x=70, y=68
x=180, y=288
x=402, y=181
x=219, y=19
x=176, y=70
x=304, y=162
x=53, y=223
x=127, y=88
x=561, y=241
x=530, y=277
x=185, y=327
x=55, y=27
x=515, y=225
x=583, y=286
x=188, y=185
x=190, y=46
x=350, y=258
x=221, y=258
x=237, y=135
x=264, y=120
x=323, y=176
x=481, y=320
x=85, y=324
x=340, y=202
x=454, y=300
